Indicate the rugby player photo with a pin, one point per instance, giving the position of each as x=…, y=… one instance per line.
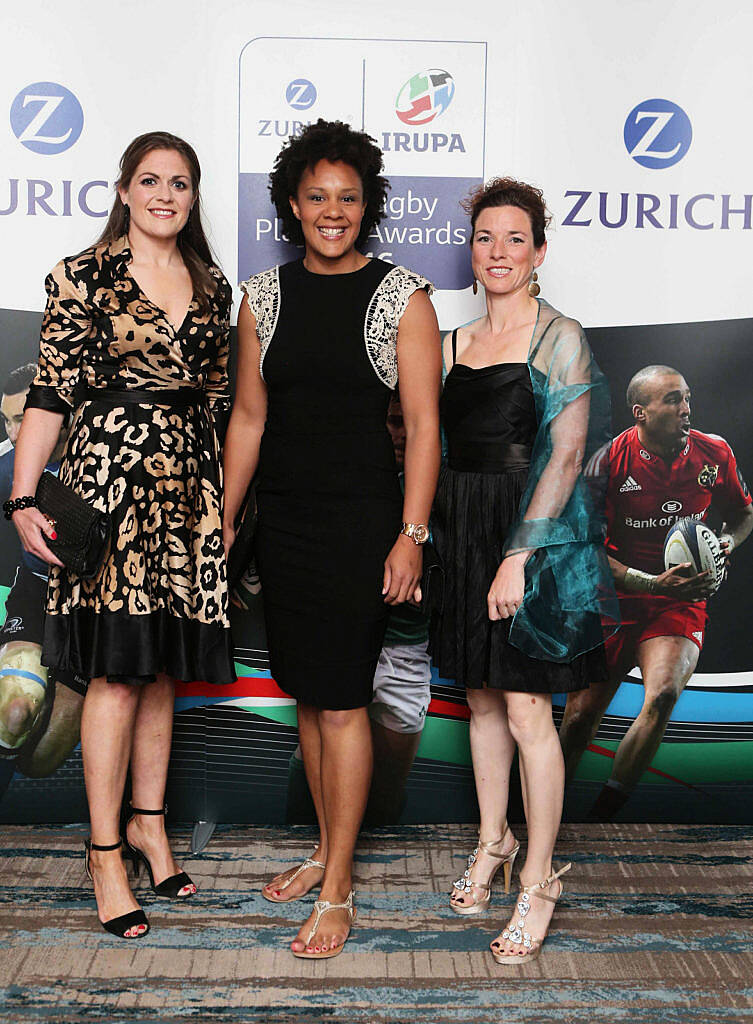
x=40, y=715
x=663, y=476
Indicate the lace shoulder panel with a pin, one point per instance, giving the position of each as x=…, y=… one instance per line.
x=386, y=307
x=263, y=295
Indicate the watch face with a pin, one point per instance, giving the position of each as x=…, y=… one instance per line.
x=421, y=534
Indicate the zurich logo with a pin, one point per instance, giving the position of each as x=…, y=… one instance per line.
x=657, y=133
x=672, y=506
x=301, y=94
x=46, y=118
x=425, y=96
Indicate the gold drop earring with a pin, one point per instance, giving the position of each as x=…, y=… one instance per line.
x=533, y=287
x=475, y=286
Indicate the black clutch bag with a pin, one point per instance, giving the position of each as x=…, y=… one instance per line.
x=83, y=533
x=242, y=550
x=432, y=581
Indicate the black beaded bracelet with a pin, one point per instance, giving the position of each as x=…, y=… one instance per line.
x=14, y=504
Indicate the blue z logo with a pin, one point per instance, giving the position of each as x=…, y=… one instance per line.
x=657, y=133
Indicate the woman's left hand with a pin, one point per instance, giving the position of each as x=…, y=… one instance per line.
x=508, y=587
x=402, y=571
x=228, y=537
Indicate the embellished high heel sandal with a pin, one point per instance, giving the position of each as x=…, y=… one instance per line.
x=322, y=907
x=116, y=925
x=169, y=887
x=309, y=862
x=468, y=887
x=516, y=932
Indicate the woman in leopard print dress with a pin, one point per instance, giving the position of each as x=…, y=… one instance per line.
x=135, y=344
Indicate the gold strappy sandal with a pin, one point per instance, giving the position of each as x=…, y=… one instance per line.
x=516, y=932
x=467, y=887
x=308, y=863
x=322, y=907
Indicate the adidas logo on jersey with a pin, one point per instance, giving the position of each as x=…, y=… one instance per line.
x=631, y=484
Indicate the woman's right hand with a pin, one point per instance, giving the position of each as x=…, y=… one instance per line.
x=228, y=537
x=33, y=528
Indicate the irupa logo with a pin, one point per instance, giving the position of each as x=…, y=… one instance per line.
x=422, y=99
x=422, y=142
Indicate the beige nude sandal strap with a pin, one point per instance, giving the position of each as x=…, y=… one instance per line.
x=487, y=847
x=308, y=863
x=323, y=906
x=545, y=883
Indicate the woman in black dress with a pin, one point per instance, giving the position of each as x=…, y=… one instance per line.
x=135, y=345
x=321, y=343
x=520, y=537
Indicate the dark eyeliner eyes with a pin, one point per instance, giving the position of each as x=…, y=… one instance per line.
x=345, y=199
x=150, y=180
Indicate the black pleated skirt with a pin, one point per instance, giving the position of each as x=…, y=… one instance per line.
x=473, y=513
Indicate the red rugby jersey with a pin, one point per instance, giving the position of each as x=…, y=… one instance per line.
x=646, y=495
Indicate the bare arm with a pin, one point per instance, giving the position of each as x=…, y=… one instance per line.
x=738, y=530
x=556, y=483
x=672, y=583
x=247, y=420
x=419, y=357
x=39, y=434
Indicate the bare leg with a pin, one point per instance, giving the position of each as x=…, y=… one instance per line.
x=22, y=699
x=583, y=714
x=311, y=748
x=394, y=754
x=59, y=738
x=106, y=735
x=543, y=768
x=152, y=737
x=492, y=751
x=346, y=765
x=666, y=663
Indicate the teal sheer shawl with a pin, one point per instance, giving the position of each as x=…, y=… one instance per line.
x=569, y=605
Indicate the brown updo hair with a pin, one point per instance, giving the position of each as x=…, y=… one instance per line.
x=510, y=192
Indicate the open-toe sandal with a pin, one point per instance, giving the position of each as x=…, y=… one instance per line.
x=516, y=928
x=481, y=892
x=116, y=925
x=322, y=907
x=170, y=887
x=308, y=863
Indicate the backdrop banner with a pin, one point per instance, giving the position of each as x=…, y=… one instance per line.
x=645, y=171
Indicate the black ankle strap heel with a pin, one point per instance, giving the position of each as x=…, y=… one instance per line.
x=169, y=887
x=116, y=925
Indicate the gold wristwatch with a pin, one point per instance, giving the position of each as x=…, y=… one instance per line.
x=417, y=532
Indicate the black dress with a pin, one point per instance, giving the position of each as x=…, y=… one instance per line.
x=328, y=495
x=489, y=419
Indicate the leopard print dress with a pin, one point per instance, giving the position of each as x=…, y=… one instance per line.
x=159, y=602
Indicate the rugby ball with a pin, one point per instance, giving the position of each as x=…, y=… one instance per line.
x=690, y=541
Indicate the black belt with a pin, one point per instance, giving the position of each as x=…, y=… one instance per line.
x=142, y=396
x=489, y=458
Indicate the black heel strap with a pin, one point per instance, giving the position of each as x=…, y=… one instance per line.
x=113, y=846
x=141, y=810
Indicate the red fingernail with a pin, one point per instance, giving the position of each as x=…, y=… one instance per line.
x=53, y=536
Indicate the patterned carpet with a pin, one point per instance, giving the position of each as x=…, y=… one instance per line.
x=654, y=927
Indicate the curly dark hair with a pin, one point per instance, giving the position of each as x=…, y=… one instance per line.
x=510, y=192
x=332, y=141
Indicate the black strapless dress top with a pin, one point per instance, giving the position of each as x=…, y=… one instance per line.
x=489, y=420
